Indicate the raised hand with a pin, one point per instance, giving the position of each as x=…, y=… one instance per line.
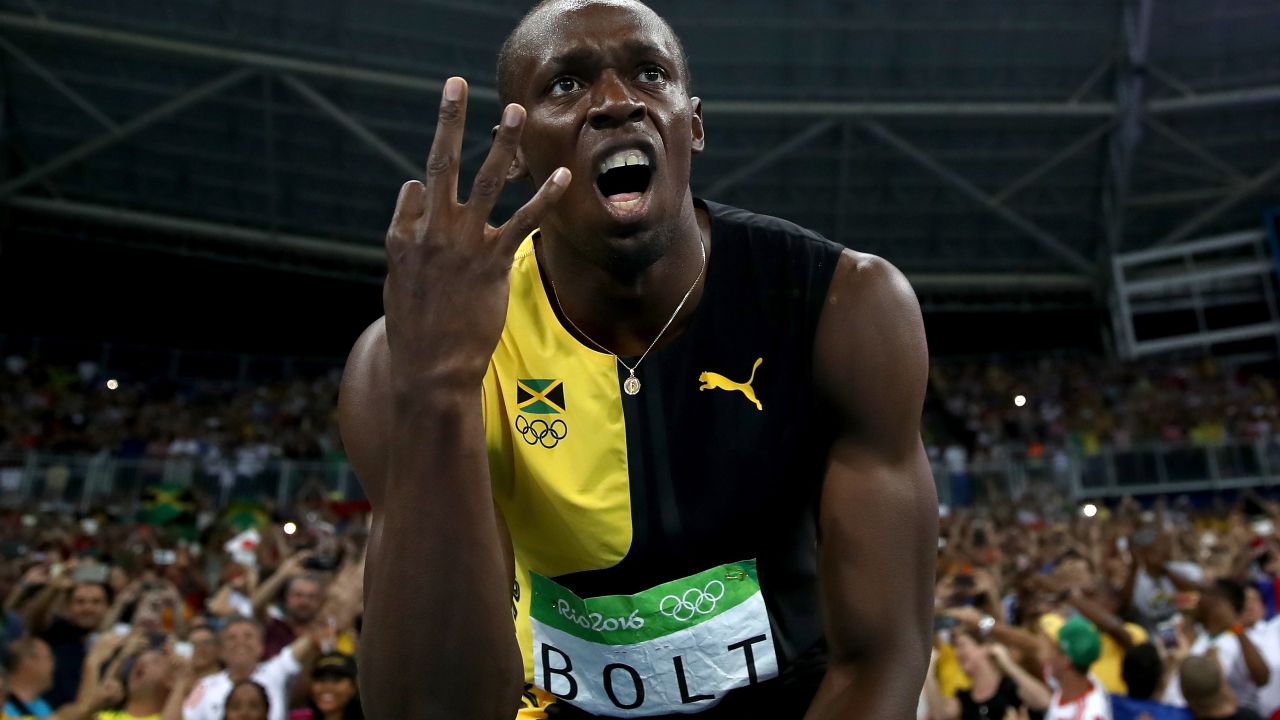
x=446, y=291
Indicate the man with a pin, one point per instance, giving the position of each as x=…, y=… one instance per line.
x=241, y=643
x=1208, y=697
x=1243, y=666
x=1079, y=696
x=65, y=614
x=29, y=663
x=699, y=426
x=204, y=651
x=1143, y=672
x=303, y=595
x=152, y=692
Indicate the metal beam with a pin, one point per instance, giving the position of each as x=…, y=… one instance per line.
x=370, y=255
x=1169, y=80
x=920, y=157
x=125, y=131
x=1092, y=79
x=1058, y=158
x=1179, y=197
x=1253, y=185
x=760, y=162
x=1196, y=149
x=1216, y=100
x=1135, y=17
x=67, y=91
x=352, y=125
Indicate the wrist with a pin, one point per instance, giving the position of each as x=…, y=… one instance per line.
x=1237, y=629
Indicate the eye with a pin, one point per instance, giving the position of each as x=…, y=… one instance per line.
x=652, y=74
x=563, y=85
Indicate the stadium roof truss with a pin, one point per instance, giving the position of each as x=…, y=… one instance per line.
x=998, y=152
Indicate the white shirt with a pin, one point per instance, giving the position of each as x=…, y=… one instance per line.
x=1265, y=634
x=208, y=699
x=1093, y=705
x=1234, y=671
x=1153, y=598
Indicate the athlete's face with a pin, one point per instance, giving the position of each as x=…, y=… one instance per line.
x=599, y=80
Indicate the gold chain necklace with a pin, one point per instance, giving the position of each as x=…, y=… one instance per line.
x=632, y=384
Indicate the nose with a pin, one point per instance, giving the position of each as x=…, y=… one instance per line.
x=614, y=105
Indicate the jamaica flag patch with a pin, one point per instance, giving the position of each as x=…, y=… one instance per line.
x=540, y=396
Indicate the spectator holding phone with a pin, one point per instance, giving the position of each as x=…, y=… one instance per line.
x=66, y=613
x=1265, y=635
x=1223, y=634
x=996, y=682
x=303, y=596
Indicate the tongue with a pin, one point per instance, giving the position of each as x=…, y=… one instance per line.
x=624, y=197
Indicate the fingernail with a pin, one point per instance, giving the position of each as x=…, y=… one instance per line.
x=511, y=116
x=560, y=177
x=453, y=89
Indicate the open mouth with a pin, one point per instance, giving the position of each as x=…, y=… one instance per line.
x=624, y=177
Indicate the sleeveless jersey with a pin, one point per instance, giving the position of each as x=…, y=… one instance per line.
x=665, y=542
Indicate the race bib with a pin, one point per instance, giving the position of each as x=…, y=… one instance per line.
x=677, y=648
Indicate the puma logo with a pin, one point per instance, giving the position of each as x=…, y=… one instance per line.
x=716, y=381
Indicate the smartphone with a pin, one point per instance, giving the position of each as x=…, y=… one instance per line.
x=943, y=622
x=164, y=557
x=94, y=573
x=182, y=649
x=1167, y=631
x=964, y=582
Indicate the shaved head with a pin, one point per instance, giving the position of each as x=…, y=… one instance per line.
x=542, y=17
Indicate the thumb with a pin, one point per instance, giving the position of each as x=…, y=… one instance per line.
x=527, y=218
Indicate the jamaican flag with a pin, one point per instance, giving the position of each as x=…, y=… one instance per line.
x=168, y=506
x=242, y=515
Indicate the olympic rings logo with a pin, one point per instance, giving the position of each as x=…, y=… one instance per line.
x=540, y=432
x=694, y=601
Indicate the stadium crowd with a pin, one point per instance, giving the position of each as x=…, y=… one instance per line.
x=194, y=609
x=1077, y=402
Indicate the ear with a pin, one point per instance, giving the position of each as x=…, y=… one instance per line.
x=518, y=170
x=699, y=132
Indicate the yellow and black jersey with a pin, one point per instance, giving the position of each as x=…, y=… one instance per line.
x=665, y=541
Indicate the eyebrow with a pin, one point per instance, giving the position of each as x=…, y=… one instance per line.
x=584, y=56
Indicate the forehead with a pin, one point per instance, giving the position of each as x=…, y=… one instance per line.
x=89, y=592
x=577, y=26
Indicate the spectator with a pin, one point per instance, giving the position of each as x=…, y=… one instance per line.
x=998, y=684
x=66, y=613
x=248, y=701
x=29, y=663
x=204, y=652
x=334, y=695
x=1079, y=696
x=1208, y=697
x=1243, y=667
x=1143, y=672
x=1265, y=635
x=241, y=642
x=303, y=594
x=152, y=689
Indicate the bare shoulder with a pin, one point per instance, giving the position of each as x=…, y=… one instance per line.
x=363, y=407
x=870, y=357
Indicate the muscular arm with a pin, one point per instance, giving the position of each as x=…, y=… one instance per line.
x=879, y=509
x=434, y=551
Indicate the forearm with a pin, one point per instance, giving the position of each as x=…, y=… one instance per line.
x=173, y=704
x=1253, y=660
x=939, y=709
x=882, y=689
x=1032, y=691
x=436, y=557
x=39, y=613
x=267, y=591
x=1105, y=621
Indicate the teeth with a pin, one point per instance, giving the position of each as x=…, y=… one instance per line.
x=622, y=158
x=627, y=204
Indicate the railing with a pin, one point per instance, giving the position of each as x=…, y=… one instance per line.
x=83, y=481
x=1151, y=469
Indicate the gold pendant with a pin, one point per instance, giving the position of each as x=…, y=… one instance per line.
x=631, y=385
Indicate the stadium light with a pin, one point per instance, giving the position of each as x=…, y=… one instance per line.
x=1019, y=400
x=290, y=528
x=1089, y=510
x=113, y=384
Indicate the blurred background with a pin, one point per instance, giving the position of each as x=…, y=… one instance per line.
x=193, y=195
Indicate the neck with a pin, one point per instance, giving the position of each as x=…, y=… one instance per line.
x=142, y=705
x=985, y=675
x=240, y=672
x=333, y=715
x=24, y=688
x=620, y=308
x=1073, y=685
